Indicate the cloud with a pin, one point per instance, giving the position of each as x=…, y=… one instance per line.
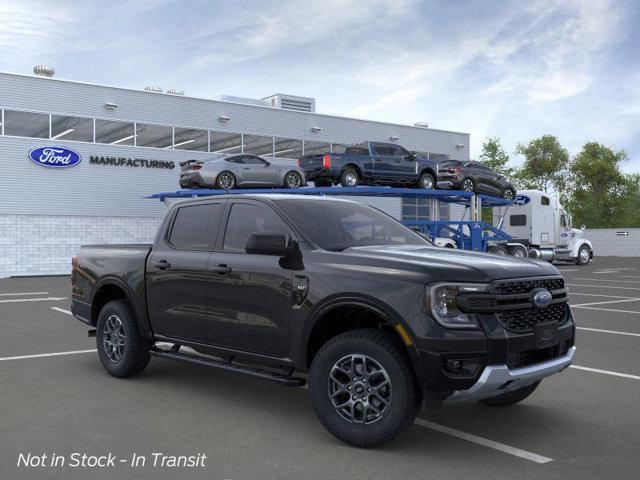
x=31, y=29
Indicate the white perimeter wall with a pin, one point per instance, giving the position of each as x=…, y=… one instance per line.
x=611, y=242
x=44, y=244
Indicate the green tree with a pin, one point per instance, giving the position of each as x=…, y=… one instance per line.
x=495, y=157
x=599, y=191
x=545, y=164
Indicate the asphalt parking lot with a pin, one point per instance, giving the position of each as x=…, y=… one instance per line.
x=582, y=423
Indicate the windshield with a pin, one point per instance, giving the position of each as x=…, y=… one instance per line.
x=335, y=225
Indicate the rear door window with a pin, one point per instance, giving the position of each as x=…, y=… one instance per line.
x=381, y=150
x=195, y=227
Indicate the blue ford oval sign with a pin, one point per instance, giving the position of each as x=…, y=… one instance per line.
x=521, y=200
x=56, y=157
x=541, y=298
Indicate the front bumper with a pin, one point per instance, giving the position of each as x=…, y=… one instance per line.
x=499, y=379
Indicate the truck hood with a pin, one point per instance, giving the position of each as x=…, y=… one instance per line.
x=458, y=265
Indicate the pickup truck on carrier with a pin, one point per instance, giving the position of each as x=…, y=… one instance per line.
x=279, y=286
x=371, y=163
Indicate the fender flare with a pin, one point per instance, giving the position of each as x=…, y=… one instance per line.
x=141, y=317
x=381, y=309
x=578, y=245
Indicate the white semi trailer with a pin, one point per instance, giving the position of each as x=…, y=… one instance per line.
x=540, y=223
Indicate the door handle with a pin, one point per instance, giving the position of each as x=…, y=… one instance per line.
x=246, y=168
x=162, y=264
x=221, y=269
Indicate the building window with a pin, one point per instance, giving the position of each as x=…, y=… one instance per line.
x=72, y=128
x=316, y=148
x=225, y=142
x=287, y=148
x=157, y=136
x=26, y=124
x=114, y=133
x=258, y=145
x=190, y=139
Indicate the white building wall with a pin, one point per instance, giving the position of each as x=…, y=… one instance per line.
x=44, y=244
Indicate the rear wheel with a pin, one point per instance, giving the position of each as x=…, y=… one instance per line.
x=363, y=388
x=427, y=181
x=511, y=398
x=498, y=250
x=518, y=251
x=292, y=179
x=226, y=180
x=349, y=178
x=122, y=350
x=468, y=185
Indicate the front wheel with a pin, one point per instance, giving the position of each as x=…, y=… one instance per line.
x=363, y=388
x=584, y=255
x=511, y=398
x=427, y=181
x=292, y=180
x=122, y=350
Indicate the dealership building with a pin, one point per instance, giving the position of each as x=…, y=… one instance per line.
x=129, y=144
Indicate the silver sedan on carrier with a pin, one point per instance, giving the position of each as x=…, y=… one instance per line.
x=241, y=170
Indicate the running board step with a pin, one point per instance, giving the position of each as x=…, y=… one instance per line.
x=282, y=379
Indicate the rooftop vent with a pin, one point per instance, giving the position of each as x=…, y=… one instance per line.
x=153, y=88
x=292, y=102
x=422, y=124
x=175, y=91
x=44, y=71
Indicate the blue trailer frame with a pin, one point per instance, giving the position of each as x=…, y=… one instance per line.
x=467, y=234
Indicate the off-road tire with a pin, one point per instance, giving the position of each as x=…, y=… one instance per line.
x=135, y=356
x=406, y=395
x=510, y=398
x=343, y=178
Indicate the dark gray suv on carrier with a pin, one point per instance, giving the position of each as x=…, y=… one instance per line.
x=474, y=177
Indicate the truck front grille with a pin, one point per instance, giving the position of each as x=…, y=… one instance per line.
x=522, y=321
x=525, y=286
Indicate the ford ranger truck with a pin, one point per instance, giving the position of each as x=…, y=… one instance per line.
x=295, y=289
x=371, y=163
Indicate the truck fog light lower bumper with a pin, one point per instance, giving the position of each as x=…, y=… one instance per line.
x=498, y=379
x=461, y=367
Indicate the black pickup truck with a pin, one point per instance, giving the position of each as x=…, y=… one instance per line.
x=371, y=163
x=292, y=288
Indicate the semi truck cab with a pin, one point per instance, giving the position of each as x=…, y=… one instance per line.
x=538, y=221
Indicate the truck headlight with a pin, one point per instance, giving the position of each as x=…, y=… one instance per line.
x=442, y=299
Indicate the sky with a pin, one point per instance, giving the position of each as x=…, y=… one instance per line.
x=514, y=70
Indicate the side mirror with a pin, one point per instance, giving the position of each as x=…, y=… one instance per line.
x=583, y=227
x=410, y=156
x=274, y=244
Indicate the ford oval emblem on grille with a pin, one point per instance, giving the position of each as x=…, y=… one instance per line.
x=541, y=298
x=56, y=157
